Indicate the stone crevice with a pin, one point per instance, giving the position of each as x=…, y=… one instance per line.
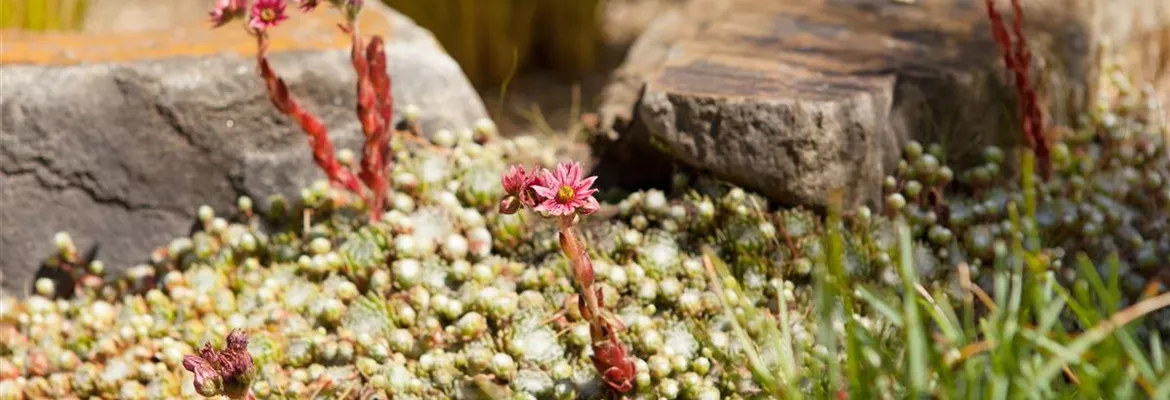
x=49, y=178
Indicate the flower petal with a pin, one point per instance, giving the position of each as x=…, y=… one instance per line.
x=563, y=174
x=548, y=179
x=552, y=207
x=591, y=206
x=574, y=173
x=546, y=192
x=588, y=194
x=584, y=184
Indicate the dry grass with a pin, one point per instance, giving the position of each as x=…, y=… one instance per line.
x=487, y=36
x=41, y=15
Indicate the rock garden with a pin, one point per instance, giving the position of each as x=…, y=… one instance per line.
x=822, y=199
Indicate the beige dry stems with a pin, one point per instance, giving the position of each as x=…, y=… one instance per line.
x=487, y=36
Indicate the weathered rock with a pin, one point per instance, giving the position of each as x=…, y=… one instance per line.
x=795, y=98
x=120, y=151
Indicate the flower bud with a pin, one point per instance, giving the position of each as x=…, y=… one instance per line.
x=509, y=205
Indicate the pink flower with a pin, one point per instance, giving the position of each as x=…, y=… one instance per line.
x=267, y=14
x=518, y=184
x=564, y=192
x=516, y=180
x=225, y=11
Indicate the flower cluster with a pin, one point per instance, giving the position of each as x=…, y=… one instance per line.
x=228, y=372
x=375, y=105
x=563, y=194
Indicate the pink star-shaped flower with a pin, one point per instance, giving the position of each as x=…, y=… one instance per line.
x=565, y=192
x=267, y=14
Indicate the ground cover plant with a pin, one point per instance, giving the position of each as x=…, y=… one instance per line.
x=485, y=272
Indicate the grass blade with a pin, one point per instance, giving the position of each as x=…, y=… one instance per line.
x=1100, y=332
x=1047, y=344
x=835, y=255
x=888, y=311
x=789, y=357
x=915, y=331
x=1089, y=273
x=825, y=311
x=1162, y=390
x=1158, y=353
x=1050, y=314
x=945, y=324
x=756, y=365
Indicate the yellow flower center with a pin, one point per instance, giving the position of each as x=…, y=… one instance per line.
x=267, y=15
x=566, y=194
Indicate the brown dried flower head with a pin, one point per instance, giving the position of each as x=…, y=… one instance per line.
x=227, y=372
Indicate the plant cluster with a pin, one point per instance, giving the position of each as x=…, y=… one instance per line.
x=447, y=296
x=563, y=196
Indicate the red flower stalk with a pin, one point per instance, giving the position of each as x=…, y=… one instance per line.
x=374, y=110
x=375, y=106
x=323, y=150
x=563, y=196
x=380, y=78
x=1018, y=60
x=228, y=372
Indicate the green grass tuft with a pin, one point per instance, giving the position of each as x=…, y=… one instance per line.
x=1014, y=343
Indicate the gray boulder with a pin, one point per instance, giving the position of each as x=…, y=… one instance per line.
x=793, y=99
x=121, y=155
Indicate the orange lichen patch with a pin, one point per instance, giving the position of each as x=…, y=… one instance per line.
x=313, y=31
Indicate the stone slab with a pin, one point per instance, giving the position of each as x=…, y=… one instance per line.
x=795, y=98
